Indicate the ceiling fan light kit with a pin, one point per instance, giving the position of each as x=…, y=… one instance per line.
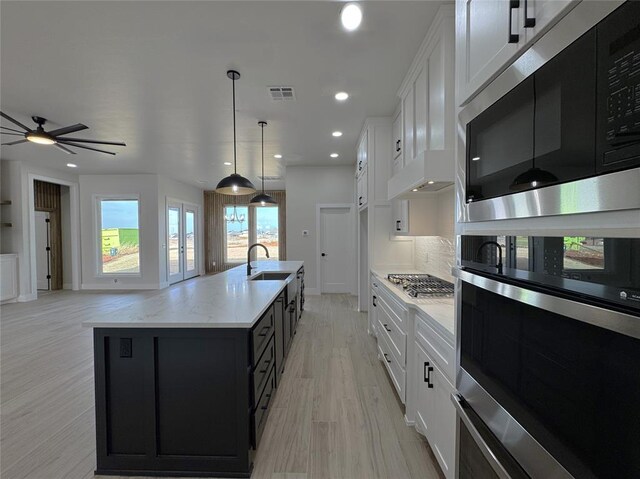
x=235, y=184
x=53, y=137
x=262, y=199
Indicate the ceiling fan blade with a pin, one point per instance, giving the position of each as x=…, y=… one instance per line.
x=85, y=147
x=97, y=142
x=13, y=134
x=12, y=120
x=67, y=129
x=11, y=129
x=66, y=150
x=15, y=142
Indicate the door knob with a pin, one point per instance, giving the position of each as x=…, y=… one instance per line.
x=324, y=254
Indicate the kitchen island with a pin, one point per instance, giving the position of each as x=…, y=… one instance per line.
x=184, y=379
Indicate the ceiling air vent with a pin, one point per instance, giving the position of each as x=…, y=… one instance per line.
x=270, y=178
x=282, y=93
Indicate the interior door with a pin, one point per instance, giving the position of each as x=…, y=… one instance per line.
x=175, y=244
x=43, y=250
x=336, y=258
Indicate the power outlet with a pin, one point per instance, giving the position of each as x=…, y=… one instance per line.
x=126, y=348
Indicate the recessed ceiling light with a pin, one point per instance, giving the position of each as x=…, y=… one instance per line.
x=227, y=163
x=342, y=96
x=475, y=158
x=337, y=133
x=334, y=155
x=415, y=189
x=277, y=156
x=430, y=182
x=72, y=165
x=351, y=16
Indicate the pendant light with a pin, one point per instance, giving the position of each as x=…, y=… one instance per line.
x=534, y=177
x=262, y=199
x=235, y=184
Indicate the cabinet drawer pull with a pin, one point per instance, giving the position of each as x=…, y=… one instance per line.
x=513, y=37
x=398, y=145
x=398, y=225
x=264, y=331
x=360, y=201
x=374, y=301
x=427, y=374
x=386, y=327
x=529, y=22
x=266, y=367
x=386, y=358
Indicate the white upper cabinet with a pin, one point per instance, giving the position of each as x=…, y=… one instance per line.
x=396, y=134
x=491, y=34
x=362, y=154
x=427, y=101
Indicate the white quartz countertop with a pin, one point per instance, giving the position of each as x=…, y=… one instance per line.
x=224, y=300
x=440, y=310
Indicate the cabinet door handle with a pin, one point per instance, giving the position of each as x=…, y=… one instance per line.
x=386, y=358
x=529, y=22
x=398, y=145
x=427, y=374
x=264, y=331
x=398, y=225
x=374, y=301
x=513, y=37
x=360, y=201
x=385, y=327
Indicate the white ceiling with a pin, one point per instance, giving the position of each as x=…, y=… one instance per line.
x=153, y=74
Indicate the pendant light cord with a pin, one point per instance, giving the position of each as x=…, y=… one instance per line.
x=235, y=162
x=262, y=130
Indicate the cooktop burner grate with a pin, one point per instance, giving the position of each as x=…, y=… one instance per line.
x=422, y=285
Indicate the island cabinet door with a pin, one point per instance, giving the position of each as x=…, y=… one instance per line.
x=172, y=400
x=279, y=314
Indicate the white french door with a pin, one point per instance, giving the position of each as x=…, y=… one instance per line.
x=182, y=237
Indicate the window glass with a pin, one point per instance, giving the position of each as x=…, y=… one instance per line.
x=119, y=236
x=236, y=233
x=267, y=228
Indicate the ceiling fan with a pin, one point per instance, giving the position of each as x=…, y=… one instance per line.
x=53, y=137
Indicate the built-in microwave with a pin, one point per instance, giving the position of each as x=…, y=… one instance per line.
x=576, y=117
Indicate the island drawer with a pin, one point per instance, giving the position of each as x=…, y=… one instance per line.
x=262, y=332
x=260, y=373
x=259, y=416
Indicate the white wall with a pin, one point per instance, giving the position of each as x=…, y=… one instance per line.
x=145, y=187
x=306, y=187
x=169, y=189
x=17, y=186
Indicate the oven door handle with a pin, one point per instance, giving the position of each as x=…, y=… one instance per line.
x=488, y=454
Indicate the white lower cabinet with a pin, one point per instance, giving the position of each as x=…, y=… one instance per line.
x=435, y=414
x=373, y=307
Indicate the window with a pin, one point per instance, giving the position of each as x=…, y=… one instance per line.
x=245, y=226
x=236, y=233
x=119, y=236
x=267, y=228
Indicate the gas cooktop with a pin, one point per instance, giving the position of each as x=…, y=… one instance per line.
x=422, y=285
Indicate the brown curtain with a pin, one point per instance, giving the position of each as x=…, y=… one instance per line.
x=214, y=227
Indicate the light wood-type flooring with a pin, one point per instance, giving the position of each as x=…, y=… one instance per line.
x=335, y=414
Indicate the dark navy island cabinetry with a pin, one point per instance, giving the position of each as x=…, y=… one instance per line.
x=188, y=401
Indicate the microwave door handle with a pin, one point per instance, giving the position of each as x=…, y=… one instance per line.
x=488, y=454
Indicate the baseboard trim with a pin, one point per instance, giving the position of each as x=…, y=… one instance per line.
x=164, y=284
x=408, y=422
x=67, y=286
x=118, y=286
x=24, y=298
x=311, y=292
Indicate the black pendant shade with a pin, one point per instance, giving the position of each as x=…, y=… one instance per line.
x=533, y=178
x=235, y=184
x=262, y=199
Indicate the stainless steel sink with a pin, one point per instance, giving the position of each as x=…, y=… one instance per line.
x=271, y=276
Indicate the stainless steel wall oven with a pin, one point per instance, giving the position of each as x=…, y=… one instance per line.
x=549, y=352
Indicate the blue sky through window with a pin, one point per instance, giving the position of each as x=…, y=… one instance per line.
x=119, y=214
